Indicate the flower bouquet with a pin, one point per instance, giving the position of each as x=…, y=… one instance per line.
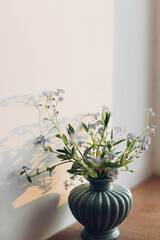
x=99, y=205
x=100, y=155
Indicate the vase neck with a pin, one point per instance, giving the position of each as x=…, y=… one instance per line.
x=100, y=184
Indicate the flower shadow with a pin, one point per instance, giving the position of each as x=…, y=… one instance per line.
x=19, y=147
x=19, y=198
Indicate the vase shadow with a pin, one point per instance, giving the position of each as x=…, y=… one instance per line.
x=44, y=213
x=62, y=210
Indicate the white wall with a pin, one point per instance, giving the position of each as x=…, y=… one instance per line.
x=156, y=87
x=133, y=43
x=46, y=45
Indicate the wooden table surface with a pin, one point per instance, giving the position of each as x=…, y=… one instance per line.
x=143, y=223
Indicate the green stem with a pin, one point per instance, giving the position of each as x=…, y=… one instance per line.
x=52, y=118
x=79, y=152
x=145, y=126
x=141, y=135
x=137, y=139
x=56, y=125
x=137, y=153
x=55, y=112
x=45, y=170
x=100, y=143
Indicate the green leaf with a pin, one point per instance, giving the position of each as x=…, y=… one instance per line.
x=109, y=146
x=71, y=129
x=85, y=127
x=21, y=173
x=29, y=179
x=118, y=142
x=110, y=164
x=103, y=118
x=103, y=154
x=126, y=167
x=129, y=148
x=58, y=135
x=50, y=169
x=76, y=165
x=69, y=133
x=112, y=134
x=92, y=173
x=122, y=158
x=50, y=149
x=73, y=151
x=74, y=171
x=66, y=150
x=64, y=138
x=106, y=121
x=62, y=156
x=62, y=151
x=118, y=152
x=128, y=143
x=88, y=150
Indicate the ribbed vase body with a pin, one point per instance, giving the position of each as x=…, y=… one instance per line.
x=100, y=206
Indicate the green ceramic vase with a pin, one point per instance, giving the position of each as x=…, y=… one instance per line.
x=100, y=206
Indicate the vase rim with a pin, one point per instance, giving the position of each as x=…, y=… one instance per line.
x=90, y=179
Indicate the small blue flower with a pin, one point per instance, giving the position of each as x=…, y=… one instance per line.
x=150, y=111
x=131, y=136
x=99, y=122
x=80, y=143
x=59, y=91
x=101, y=130
x=62, y=91
x=113, y=174
x=42, y=139
x=144, y=146
x=96, y=114
x=150, y=129
x=92, y=126
x=104, y=149
x=47, y=140
x=110, y=155
x=146, y=140
x=61, y=99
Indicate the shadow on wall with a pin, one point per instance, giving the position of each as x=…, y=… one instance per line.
x=36, y=226
x=46, y=218
x=34, y=214
x=19, y=146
